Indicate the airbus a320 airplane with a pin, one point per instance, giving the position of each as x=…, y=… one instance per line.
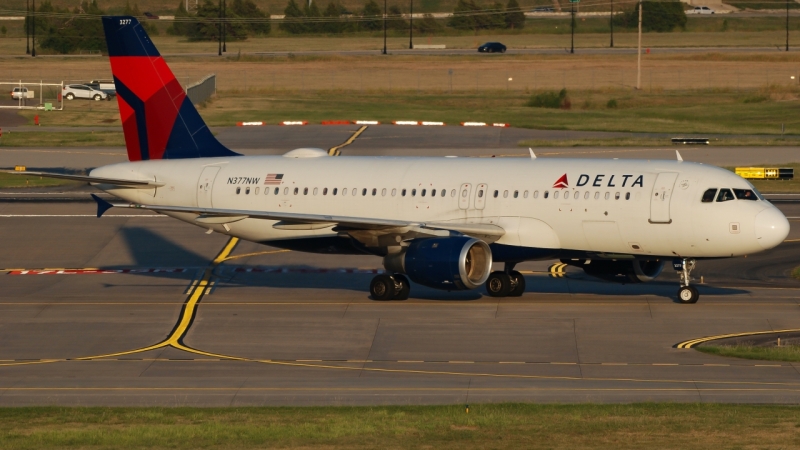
x=440, y=222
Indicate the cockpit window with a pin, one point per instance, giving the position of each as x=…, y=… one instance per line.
x=708, y=196
x=745, y=194
x=725, y=195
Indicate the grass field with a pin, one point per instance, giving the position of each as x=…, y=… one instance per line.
x=789, y=353
x=502, y=426
x=23, y=181
x=796, y=273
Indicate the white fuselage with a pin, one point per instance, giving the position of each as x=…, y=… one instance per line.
x=632, y=207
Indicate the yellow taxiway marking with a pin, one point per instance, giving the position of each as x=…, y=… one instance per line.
x=271, y=252
x=336, y=151
x=693, y=342
x=557, y=270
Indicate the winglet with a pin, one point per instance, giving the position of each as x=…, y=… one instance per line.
x=533, y=155
x=680, y=158
x=102, y=205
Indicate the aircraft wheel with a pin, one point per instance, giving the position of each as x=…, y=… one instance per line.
x=519, y=284
x=498, y=284
x=382, y=287
x=688, y=295
x=405, y=287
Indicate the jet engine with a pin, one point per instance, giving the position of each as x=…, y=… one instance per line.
x=621, y=271
x=449, y=263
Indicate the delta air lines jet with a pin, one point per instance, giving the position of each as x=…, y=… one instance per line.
x=440, y=222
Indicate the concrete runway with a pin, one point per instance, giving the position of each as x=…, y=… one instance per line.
x=178, y=317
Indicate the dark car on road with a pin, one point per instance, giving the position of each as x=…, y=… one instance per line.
x=492, y=47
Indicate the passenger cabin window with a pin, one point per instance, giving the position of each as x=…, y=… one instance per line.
x=525, y=194
x=535, y=194
x=316, y=190
x=608, y=195
x=335, y=191
x=413, y=192
x=516, y=194
x=505, y=194
x=586, y=195
x=616, y=196
x=364, y=192
x=555, y=194
x=480, y=193
x=256, y=192
x=725, y=195
x=403, y=193
x=305, y=191
x=277, y=190
x=355, y=191
x=247, y=191
x=238, y=190
x=627, y=196
x=546, y=194
x=745, y=194
x=577, y=195
x=596, y=195
x=423, y=192
x=296, y=191
x=325, y=191
x=394, y=192
x=496, y=193
x=344, y=191
x=383, y=192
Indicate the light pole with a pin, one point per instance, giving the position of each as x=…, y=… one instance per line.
x=572, y=42
x=411, y=27
x=219, y=29
x=27, y=27
x=639, y=53
x=787, y=25
x=612, y=23
x=224, y=27
x=33, y=36
x=384, y=26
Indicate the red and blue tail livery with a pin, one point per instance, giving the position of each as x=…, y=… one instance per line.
x=158, y=119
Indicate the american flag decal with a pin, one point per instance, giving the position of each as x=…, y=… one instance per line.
x=273, y=178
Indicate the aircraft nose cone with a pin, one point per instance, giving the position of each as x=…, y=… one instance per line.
x=771, y=228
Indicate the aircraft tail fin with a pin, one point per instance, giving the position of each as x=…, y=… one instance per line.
x=158, y=119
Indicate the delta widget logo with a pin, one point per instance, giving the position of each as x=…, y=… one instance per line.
x=562, y=183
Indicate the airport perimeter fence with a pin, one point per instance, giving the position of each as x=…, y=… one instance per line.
x=31, y=95
x=202, y=90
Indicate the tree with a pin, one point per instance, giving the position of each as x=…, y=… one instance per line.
x=372, y=15
x=394, y=19
x=293, y=19
x=313, y=16
x=515, y=18
x=428, y=24
x=333, y=14
x=248, y=10
x=656, y=16
x=206, y=27
x=468, y=15
x=134, y=11
x=180, y=26
x=82, y=31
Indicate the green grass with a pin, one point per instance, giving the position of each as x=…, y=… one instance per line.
x=68, y=139
x=499, y=426
x=796, y=273
x=715, y=111
x=24, y=181
x=789, y=353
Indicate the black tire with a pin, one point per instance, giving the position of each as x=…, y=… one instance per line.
x=70, y=96
x=518, y=282
x=498, y=284
x=688, y=295
x=503, y=51
x=381, y=287
x=405, y=287
x=97, y=97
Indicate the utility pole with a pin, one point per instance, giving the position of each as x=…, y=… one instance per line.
x=572, y=42
x=27, y=27
x=224, y=27
x=612, y=23
x=219, y=29
x=639, y=53
x=33, y=37
x=384, y=26
x=787, y=25
x=411, y=27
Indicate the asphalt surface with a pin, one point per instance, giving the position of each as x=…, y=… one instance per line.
x=178, y=317
x=411, y=141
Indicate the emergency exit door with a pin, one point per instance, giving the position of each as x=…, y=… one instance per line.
x=205, y=186
x=661, y=197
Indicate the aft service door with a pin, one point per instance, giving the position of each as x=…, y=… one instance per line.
x=205, y=185
x=661, y=197
x=480, y=195
x=463, y=196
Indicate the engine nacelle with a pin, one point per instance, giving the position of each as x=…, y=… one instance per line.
x=451, y=263
x=624, y=271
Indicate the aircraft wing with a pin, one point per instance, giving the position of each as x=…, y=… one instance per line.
x=346, y=223
x=148, y=184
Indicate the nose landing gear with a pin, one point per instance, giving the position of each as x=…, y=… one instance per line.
x=686, y=293
x=390, y=287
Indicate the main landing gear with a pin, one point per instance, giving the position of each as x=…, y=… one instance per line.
x=508, y=283
x=390, y=287
x=687, y=294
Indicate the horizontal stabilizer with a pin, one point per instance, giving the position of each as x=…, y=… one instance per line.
x=102, y=205
x=143, y=184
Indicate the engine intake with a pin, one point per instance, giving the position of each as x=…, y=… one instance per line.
x=451, y=263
